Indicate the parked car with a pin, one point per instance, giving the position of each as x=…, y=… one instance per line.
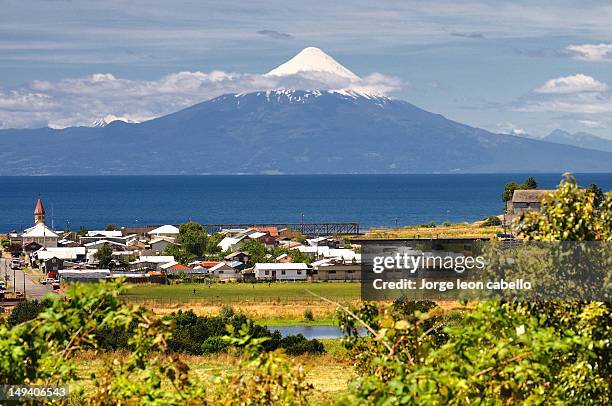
x=15, y=264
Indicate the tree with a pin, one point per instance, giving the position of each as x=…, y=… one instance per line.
x=530, y=183
x=104, y=255
x=212, y=244
x=597, y=193
x=193, y=238
x=509, y=190
x=111, y=227
x=179, y=254
x=257, y=251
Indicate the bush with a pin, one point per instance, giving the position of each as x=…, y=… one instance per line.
x=198, y=335
x=308, y=315
x=298, y=344
x=491, y=221
x=214, y=345
x=428, y=225
x=26, y=311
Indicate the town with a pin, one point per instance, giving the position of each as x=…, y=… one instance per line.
x=168, y=254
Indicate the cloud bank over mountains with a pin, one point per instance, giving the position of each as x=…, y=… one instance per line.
x=82, y=101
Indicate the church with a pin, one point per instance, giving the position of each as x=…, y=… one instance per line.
x=39, y=233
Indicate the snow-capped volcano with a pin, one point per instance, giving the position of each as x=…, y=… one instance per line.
x=312, y=60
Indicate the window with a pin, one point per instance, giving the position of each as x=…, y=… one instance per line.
x=267, y=273
x=283, y=272
x=299, y=272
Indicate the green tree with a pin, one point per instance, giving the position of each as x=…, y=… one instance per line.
x=257, y=251
x=212, y=244
x=179, y=254
x=509, y=190
x=530, y=183
x=111, y=227
x=104, y=255
x=193, y=238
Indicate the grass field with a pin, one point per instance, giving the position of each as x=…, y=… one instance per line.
x=220, y=293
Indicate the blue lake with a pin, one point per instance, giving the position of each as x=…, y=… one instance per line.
x=371, y=200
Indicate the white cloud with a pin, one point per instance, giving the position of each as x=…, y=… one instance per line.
x=572, y=84
x=591, y=52
x=81, y=101
x=600, y=124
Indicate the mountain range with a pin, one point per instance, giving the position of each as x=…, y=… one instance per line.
x=289, y=131
x=580, y=139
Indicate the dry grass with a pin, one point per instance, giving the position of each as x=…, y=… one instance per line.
x=254, y=310
x=330, y=375
x=465, y=230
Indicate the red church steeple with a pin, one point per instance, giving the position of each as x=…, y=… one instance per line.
x=39, y=212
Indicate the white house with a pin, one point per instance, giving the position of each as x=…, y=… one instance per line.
x=231, y=243
x=224, y=272
x=66, y=253
x=164, y=231
x=281, y=271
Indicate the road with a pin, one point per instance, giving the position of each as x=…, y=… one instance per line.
x=33, y=289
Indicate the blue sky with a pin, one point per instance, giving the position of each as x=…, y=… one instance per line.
x=504, y=66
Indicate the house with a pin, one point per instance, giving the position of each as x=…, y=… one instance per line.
x=74, y=254
x=52, y=266
x=224, y=272
x=88, y=239
x=239, y=256
x=281, y=271
x=159, y=244
x=116, y=246
x=31, y=247
x=262, y=237
x=104, y=233
x=346, y=254
x=524, y=201
x=84, y=275
x=168, y=230
x=292, y=245
x=130, y=277
x=283, y=258
x=333, y=270
x=142, y=232
x=151, y=262
x=174, y=268
x=231, y=243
